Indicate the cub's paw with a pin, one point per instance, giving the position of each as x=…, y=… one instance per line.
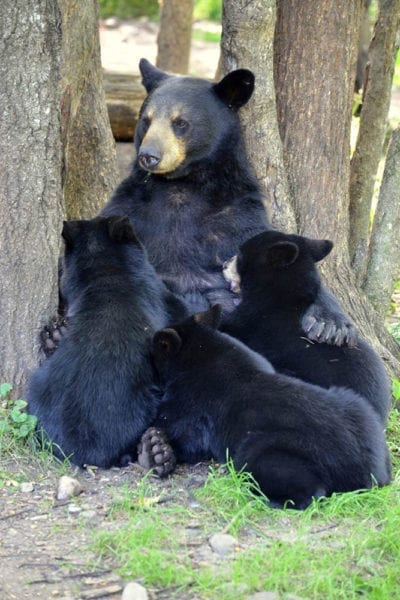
x=52, y=334
x=155, y=452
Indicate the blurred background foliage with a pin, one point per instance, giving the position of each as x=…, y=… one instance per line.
x=133, y=9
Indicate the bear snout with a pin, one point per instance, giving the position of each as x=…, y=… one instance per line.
x=149, y=159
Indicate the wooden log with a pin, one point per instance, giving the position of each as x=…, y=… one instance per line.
x=124, y=97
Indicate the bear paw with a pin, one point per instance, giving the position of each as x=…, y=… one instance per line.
x=52, y=334
x=155, y=452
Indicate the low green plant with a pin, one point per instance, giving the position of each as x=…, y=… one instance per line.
x=15, y=422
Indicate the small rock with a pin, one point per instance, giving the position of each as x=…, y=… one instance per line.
x=89, y=515
x=27, y=487
x=111, y=23
x=68, y=487
x=222, y=543
x=74, y=509
x=134, y=591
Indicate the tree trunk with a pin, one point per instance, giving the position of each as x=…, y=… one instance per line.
x=383, y=265
x=54, y=130
x=368, y=152
x=247, y=42
x=175, y=35
x=90, y=168
x=314, y=83
x=30, y=179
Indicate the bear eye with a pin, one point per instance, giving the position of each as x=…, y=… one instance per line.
x=146, y=123
x=180, y=126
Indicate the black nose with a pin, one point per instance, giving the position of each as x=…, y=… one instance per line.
x=148, y=161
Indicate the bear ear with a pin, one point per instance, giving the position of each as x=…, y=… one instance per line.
x=210, y=317
x=70, y=231
x=151, y=76
x=120, y=230
x=319, y=248
x=282, y=254
x=236, y=88
x=166, y=343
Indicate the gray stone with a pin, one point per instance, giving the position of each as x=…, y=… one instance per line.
x=134, y=591
x=67, y=488
x=27, y=487
x=223, y=543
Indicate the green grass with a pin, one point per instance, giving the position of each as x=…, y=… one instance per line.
x=201, y=35
x=344, y=547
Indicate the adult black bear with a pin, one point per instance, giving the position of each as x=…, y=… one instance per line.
x=97, y=394
x=279, y=281
x=298, y=440
x=192, y=196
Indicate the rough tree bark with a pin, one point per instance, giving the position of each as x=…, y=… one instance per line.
x=314, y=88
x=247, y=42
x=368, y=152
x=314, y=91
x=175, y=35
x=384, y=252
x=48, y=54
x=89, y=169
x=30, y=178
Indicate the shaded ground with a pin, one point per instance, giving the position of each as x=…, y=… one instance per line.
x=43, y=549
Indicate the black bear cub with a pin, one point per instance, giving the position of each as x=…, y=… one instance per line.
x=298, y=440
x=279, y=281
x=96, y=395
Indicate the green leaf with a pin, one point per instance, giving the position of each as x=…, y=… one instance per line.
x=17, y=416
x=5, y=388
x=396, y=389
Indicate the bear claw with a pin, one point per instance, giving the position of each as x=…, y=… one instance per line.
x=155, y=452
x=52, y=334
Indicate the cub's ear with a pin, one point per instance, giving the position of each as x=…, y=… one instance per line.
x=210, y=317
x=166, y=343
x=319, y=248
x=120, y=230
x=151, y=76
x=236, y=88
x=70, y=231
x=282, y=254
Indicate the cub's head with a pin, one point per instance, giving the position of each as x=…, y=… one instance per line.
x=94, y=248
x=278, y=267
x=186, y=344
x=183, y=120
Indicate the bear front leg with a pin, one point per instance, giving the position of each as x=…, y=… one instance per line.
x=155, y=452
x=325, y=322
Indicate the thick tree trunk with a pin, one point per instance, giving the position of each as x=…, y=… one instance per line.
x=54, y=137
x=384, y=253
x=368, y=152
x=30, y=179
x=90, y=168
x=247, y=42
x=314, y=83
x=175, y=35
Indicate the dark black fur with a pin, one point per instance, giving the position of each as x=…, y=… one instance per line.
x=194, y=217
x=298, y=440
x=96, y=395
x=279, y=282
